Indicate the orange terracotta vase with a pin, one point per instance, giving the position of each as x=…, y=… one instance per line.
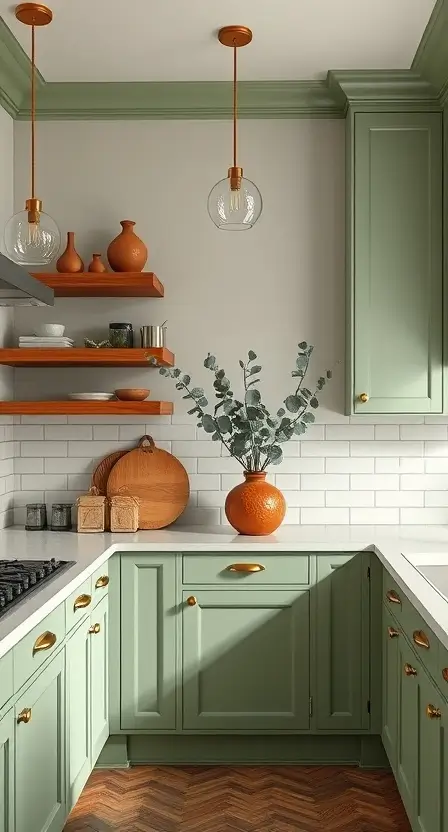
x=255, y=506
x=97, y=266
x=127, y=253
x=70, y=261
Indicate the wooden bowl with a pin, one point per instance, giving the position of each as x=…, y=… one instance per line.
x=132, y=394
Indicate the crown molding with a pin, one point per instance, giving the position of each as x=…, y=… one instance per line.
x=431, y=58
x=15, y=71
x=382, y=90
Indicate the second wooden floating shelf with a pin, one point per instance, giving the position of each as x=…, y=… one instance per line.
x=84, y=357
x=75, y=408
x=106, y=285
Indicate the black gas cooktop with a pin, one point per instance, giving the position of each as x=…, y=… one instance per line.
x=19, y=578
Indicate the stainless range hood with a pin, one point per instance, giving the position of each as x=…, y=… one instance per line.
x=18, y=288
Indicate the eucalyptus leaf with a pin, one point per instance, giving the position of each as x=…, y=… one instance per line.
x=210, y=362
x=293, y=404
x=203, y=402
x=252, y=397
x=186, y=380
x=241, y=363
x=197, y=392
x=308, y=417
x=176, y=372
x=215, y=437
x=252, y=355
x=314, y=402
x=208, y=423
x=303, y=345
x=281, y=411
x=275, y=455
x=255, y=369
x=224, y=424
x=299, y=428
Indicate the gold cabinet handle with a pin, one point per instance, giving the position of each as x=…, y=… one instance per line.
x=102, y=582
x=445, y=674
x=421, y=639
x=433, y=712
x=44, y=642
x=409, y=670
x=94, y=629
x=82, y=601
x=246, y=567
x=192, y=601
x=24, y=716
x=393, y=597
x=363, y=397
x=392, y=632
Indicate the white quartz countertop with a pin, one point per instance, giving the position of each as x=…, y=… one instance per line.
x=398, y=547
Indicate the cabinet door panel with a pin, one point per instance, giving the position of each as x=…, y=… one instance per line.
x=148, y=641
x=408, y=715
x=246, y=660
x=7, y=772
x=397, y=262
x=430, y=798
x=342, y=626
x=99, y=678
x=78, y=711
x=40, y=753
x=391, y=672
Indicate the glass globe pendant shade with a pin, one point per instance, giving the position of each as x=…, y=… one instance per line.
x=32, y=237
x=234, y=203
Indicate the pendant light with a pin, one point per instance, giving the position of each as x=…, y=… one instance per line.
x=235, y=203
x=32, y=237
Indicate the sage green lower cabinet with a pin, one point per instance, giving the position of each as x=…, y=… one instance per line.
x=431, y=810
x=342, y=629
x=7, y=772
x=390, y=660
x=410, y=675
x=148, y=641
x=395, y=256
x=245, y=660
x=40, y=786
x=99, y=676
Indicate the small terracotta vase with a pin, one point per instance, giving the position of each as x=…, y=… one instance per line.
x=70, y=261
x=127, y=253
x=97, y=266
x=255, y=506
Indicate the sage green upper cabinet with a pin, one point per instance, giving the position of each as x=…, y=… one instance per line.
x=342, y=642
x=40, y=785
x=246, y=660
x=395, y=263
x=148, y=641
x=7, y=772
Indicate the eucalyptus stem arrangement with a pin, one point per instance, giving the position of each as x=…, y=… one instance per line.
x=251, y=434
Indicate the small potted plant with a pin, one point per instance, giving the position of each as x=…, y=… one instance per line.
x=251, y=434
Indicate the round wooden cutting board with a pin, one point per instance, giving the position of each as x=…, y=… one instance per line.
x=103, y=469
x=157, y=478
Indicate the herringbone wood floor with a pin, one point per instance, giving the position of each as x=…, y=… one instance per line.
x=243, y=799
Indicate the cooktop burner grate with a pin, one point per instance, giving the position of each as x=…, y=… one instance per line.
x=20, y=578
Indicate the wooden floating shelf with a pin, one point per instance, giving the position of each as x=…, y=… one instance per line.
x=85, y=357
x=70, y=408
x=106, y=285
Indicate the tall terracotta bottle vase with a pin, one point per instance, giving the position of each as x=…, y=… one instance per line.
x=127, y=252
x=70, y=261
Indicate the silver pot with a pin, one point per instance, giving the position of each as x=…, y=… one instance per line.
x=153, y=336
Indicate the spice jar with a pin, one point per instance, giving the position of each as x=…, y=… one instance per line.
x=36, y=517
x=61, y=517
x=121, y=335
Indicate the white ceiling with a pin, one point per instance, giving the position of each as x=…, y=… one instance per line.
x=173, y=40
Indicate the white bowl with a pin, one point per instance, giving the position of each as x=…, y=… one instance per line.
x=45, y=330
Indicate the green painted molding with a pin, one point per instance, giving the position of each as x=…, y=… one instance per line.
x=396, y=90
x=14, y=72
x=431, y=58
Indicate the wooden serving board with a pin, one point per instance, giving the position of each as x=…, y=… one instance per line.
x=103, y=469
x=157, y=478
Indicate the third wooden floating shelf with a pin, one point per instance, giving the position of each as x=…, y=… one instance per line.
x=106, y=285
x=70, y=408
x=84, y=357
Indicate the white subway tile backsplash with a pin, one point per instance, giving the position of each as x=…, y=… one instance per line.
x=298, y=499
x=27, y=465
x=399, y=448
x=404, y=465
x=219, y=465
x=436, y=449
x=292, y=517
x=434, y=465
x=425, y=482
x=435, y=498
x=349, y=465
x=79, y=482
x=195, y=516
x=204, y=482
x=44, y=482
x=324, y=516
x=105, y=432
x=374, y=516
x=336, y=432
x=43, y=449
x=300, y=465
x=70, y=465
x=190, y=464
x=424, y=432
x=325, y=449
x=374, y=482
x=350, y=498
x=92, y=448
x=325, y=482
x=399, y=498
x=211, y=499
x=46, y=420
x=286, y=481
x=313, y=433
x=387, y=432
x=424, y=516
x=199, y=448
x=68, y=432
x=28, y=432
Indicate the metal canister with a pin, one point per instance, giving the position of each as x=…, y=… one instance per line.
x=153, y=336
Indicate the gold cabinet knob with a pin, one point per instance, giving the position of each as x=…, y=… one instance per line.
x=433, y=713
x=421, y=639
x=246, y=567
x=363, y=397
x=102, y=581
x=445, y=674
x=192, y=601
x=82, y=601
x=409, y=670
x=24, y=716
x=94, y=629
x=392, y=632
x=44, y=642
x=393, y=597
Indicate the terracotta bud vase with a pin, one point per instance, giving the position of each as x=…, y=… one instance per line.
x=255, y=506
x=97, y=266
x=70, y=261
x=127, y=252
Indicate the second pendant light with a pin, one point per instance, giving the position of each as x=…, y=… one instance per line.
x=235, y=203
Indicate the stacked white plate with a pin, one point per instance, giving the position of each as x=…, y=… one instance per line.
x=91, y=397
x=45, y=341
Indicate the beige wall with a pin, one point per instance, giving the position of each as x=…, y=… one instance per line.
x=265, y=289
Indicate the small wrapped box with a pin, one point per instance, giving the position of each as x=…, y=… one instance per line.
x=124, y=514
x=92, y=512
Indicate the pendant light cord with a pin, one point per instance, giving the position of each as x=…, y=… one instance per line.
x=33, y=109
x=234, y=104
